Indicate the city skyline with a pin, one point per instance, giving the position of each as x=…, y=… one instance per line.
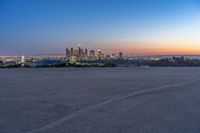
x=133, y=27
x=81, y=53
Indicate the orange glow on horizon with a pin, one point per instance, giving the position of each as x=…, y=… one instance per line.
x=155, y=49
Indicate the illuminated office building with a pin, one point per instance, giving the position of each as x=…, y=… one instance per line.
x=100, y=54
x=92, y=55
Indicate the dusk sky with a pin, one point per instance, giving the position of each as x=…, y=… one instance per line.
x=137, y=27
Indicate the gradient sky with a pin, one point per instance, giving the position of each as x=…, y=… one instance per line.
x=132, y=26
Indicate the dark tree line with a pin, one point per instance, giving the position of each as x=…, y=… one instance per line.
x=166, y=62
x=171, y=62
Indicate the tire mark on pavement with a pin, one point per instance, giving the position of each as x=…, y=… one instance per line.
x=77, y=113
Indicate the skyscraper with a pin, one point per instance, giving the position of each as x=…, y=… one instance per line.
x=86, y=53
x=82, y=54
x=100, y=54
x=75, y=53
x=79, y=51
x=120, y=55
x=92, y=55
x=68, y=54
x=71, y=52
